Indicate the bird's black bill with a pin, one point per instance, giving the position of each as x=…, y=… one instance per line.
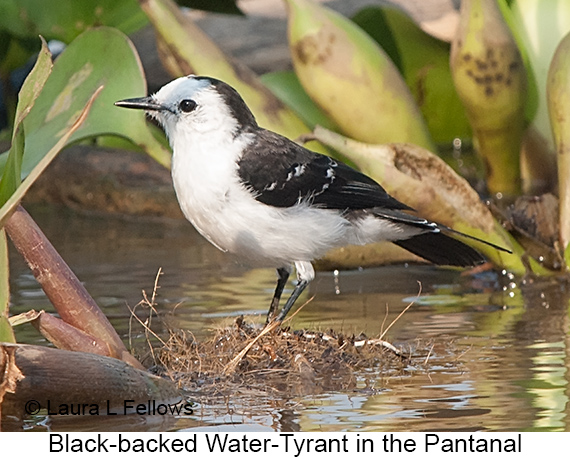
x=146, y=103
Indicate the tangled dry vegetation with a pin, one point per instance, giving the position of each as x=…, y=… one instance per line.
x=275, y=362
x=298, y=362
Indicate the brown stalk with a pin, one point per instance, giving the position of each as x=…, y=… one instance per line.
x=68, y=337
x=41, y=374
x=69, y=297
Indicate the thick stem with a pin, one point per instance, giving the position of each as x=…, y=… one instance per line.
x=69, y=297
x=40, y=375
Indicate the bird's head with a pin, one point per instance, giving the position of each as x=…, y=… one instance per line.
x=196, y=104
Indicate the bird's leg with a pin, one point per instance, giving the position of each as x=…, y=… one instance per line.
x=299, y=288
x=305, y=274
x=282, y=277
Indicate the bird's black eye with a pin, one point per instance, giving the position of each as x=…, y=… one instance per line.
x=187, y=105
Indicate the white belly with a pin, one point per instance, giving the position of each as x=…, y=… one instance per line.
x=234, y=222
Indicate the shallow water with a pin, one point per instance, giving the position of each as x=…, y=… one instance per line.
x=499, y=355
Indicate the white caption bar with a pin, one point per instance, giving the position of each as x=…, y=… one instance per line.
x=290, y=444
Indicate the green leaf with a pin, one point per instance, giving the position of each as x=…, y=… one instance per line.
x=30, y=91
x=15, y=199
x=99, y=57
x=66, y=19
x=516, y=26
x=287, y=88
x=424, y=63
x=6, y=333
x=12, y=175
x=33, y=85
x=374, y=21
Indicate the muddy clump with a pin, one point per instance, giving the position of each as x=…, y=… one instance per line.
x=281, y=361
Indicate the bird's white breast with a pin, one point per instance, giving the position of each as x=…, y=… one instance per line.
x=203, y=172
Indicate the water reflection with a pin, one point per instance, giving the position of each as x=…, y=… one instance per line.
x=496, y=355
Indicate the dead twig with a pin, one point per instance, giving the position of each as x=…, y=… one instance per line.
x=151, y=304
x=402, y=313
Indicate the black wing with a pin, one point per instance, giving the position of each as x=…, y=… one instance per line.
x=282, y=173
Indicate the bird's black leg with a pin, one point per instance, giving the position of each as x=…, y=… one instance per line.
x=282, y=277
x=299, y=288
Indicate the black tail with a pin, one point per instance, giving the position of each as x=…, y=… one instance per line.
x=442, y=250
x=435, y=244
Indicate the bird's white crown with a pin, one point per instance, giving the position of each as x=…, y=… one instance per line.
x=185, y=87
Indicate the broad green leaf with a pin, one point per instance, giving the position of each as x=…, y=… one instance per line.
x=99, y=57
x=287, y=88
x=64, y=20
x=15, y=199
x=6, y=333
x=29, y=92
x=424, y=63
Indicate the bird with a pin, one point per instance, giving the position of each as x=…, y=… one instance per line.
x=261, y=196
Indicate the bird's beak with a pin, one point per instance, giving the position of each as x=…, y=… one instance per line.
x=146, y=103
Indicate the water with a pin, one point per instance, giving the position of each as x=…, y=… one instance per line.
x=499, y=348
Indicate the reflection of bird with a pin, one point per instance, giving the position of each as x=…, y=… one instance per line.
x=254, y=193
